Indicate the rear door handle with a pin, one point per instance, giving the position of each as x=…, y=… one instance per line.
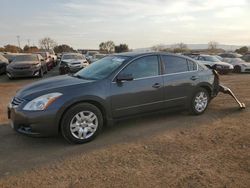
x=194, y=78
x=156, y=85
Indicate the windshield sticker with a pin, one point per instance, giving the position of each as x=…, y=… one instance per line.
x=118, y=59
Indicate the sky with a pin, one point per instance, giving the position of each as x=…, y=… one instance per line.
x=138, y=23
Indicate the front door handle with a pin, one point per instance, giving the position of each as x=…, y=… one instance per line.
x=156, y=85
x=194, y=78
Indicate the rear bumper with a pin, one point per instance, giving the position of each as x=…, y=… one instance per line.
x=39, y=123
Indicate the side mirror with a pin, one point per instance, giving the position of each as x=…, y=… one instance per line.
x=124, y=77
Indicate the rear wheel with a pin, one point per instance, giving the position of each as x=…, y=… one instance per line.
x=199, y=101
x=81, y=123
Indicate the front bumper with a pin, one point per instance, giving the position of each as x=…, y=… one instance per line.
x=24, y=73
x=245, y=69
x=65, y=69
x=33, y=123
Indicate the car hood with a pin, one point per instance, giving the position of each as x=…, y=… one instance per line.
x=73, y=60
x=54, y=84
x=22, y=63
x=213, y=63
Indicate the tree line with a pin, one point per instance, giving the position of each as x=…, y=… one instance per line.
x=183, y=48
x=108, y=47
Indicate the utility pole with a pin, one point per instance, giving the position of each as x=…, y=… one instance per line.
x=28, y=40
x=18, y=40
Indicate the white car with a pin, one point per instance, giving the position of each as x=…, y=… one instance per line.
x=213, y=61
x=72, y=62
x=239, y=64
x=90, y=55
x=235, y=59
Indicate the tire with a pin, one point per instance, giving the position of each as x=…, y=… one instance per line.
x=237, y=69
x=45, y=69
x=48, y=67
x=9, y=76
x=40, y=73
x=199, y=102
x=82, y=119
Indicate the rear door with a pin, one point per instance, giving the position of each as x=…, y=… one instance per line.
x=180, y=78
x=142, y=94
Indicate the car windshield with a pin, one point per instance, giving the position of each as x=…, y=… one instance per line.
x=101, y=68
x=25, y=58
x=72, y=56
x=92, y=53
x=43, y=54
x=211, y=58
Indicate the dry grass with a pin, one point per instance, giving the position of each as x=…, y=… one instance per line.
x=214, y=154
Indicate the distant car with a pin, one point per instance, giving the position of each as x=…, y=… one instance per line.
x=235, y=59
x=97, y=57
x=27, y=65
x=3, y=64
x=89, y=55
x=72, y=62
x=49, y=61
x=246, y=57
x=218, y=57
x=230, y=55
x=10, y=56
x=210, y=61
x=191, y=55
x=239, y=64
x=53, y=56
x=59, y=56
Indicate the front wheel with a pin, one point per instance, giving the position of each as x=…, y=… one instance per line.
x=237, y=69
x=40, y=73
x=199, y=101
x=81, y=123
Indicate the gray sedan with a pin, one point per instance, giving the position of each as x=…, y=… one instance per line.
x=27, y=65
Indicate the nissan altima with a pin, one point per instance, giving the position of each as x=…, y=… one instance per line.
x=114, y=87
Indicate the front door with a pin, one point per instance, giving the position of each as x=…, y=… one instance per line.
x=142, y=94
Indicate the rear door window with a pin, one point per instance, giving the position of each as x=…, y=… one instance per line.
x=174, y=64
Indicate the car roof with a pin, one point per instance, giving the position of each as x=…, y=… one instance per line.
x=136, y=54
x=71, y=53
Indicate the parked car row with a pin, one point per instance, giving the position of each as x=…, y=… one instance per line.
x=16, y=65
x=224, y=63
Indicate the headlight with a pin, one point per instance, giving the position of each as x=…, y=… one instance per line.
x=36, y=65
x=42, y=102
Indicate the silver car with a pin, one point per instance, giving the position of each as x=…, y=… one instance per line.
x=72, y=62
x=210, y=61
x=235, y=59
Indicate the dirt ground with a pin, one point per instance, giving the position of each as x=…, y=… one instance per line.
x=212, y=150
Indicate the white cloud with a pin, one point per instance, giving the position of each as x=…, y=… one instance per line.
x=140, y=23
